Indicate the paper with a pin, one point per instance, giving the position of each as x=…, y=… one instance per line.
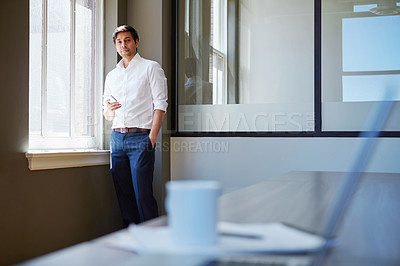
x=273, y=237
x=233, y=238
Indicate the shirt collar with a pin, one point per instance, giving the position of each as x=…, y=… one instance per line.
x=135, y=59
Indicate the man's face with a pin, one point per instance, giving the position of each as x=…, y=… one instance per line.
x=126, y=46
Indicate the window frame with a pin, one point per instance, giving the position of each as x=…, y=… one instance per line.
x=317, y=132
x=41, y=143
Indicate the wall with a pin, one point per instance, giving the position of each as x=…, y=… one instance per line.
x=41, y=211
x=239, y=162
x=155, y=44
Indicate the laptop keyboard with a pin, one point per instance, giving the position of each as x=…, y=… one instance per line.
x=260, y=260
x=236, y=263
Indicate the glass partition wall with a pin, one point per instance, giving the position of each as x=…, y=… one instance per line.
x=360, y=62
x=247, y=64
x=255, y=65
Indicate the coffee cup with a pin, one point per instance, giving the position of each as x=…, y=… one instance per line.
x=192, y=208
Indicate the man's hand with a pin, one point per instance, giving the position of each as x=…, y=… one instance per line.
x=109, y=114
x=113, y=106
x=157, y=122
x=152, y=139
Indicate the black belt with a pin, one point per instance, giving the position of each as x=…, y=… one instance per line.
x=131, y=130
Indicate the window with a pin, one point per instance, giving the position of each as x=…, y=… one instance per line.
x=65, y=60
x=360, y=60
x=249, y=66
x=371, y=57
x=286, y=68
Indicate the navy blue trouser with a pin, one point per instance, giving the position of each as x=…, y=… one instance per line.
x=132, y=166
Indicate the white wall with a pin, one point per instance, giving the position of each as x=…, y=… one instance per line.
x=239, y=162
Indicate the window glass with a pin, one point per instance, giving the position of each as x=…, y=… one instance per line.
x=365, y=88
x=248, y=64
x=360, y=62
x=35, y=67
x=371, y=43
x=84, y=70
x=58, y=74
x=62, y=65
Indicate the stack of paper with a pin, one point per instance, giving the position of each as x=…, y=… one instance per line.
x=233, y=238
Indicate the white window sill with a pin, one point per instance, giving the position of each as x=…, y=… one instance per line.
x=41, y=160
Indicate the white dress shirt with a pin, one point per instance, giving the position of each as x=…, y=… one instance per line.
x=140, y=88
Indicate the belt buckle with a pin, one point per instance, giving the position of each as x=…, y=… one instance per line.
x=124, y=130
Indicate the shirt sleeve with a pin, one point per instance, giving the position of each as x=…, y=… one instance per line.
x=159, y=89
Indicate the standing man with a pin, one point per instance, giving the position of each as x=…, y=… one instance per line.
x=135, y=100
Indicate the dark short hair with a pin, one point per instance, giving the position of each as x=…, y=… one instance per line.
x=125, y=28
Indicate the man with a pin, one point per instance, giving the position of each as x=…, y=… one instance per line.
x=194, y=85
x=136, y=101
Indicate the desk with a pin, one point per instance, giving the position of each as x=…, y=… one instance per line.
x=369, y=233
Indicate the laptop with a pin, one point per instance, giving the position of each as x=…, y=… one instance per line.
x=337, y=208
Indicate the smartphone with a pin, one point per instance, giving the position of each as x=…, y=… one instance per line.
x=112, y=98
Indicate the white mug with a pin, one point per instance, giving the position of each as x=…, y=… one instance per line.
x=192, y=210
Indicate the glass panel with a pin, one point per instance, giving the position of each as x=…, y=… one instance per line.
x=270, y=78
x=84, y=67
x=367, y=88
x=58, y=68
x=57, y=101
x=198, y=63
x=360, y=60
x=276, y=51
x=371, y=43
x=35, y=66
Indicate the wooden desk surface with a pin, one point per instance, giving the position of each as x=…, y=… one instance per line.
x=369, y=233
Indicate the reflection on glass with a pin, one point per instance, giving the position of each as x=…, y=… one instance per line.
x=276, y=52
x=361, y=58
x=365, y=88
x=196, y=89
x=246, y=65
x=363, y=8
x=371, y=43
